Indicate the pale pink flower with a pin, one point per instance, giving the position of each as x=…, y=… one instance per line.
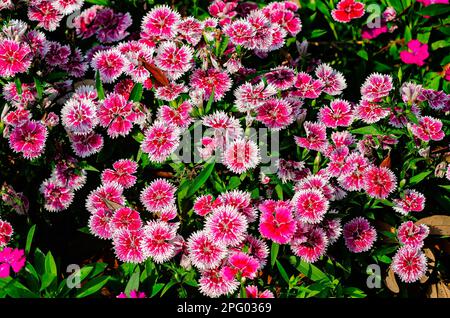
x=226, y=225
x=204, y=252
x=79, y=116
x=241, y=155
x=409, y=264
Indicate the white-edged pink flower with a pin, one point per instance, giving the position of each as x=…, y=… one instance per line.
x=79, y=116
x=160, y=141
x=110, y=64
x=205, y=252
x=158, y=195
x=241, y=155
x=175, y=60
x=226, y=225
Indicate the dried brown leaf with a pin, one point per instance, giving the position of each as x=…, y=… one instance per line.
x=391, y=282
x=439, y=224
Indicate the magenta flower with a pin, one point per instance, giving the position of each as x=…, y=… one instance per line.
x=209, y=80
x=240, y=32
x=371, y=112
x=97, y=198
x=213, y=283
x=6, y=232
x=275, y=113
x=427, y=3
x=57, y=197
x=240, y=200
x=339, y=113
x=359, y=235
x=125, y=219
x=117, y=115
x=15, y=57
x=160, y=22
x=347, y=10
x=110, y=64
x=307, y=87
x=253, y=292
x=379, y=182
x=310, y=205
x=171, y=91
x=160, y=141
x=128, y=246
x=158, y=195
x=133, y=294
x=175, y=60
x=226, y=225
x=204, y=252
x=332, y=228
x=276, y=221
x=86, y=145
x=241, y=155
x=203, y=205
x=11, y=259
x=309, y=243
x=79, y=116
x=122, y=173
x=429, y=128
x=45, y=13
x=334, y=81
x=412, y=235
x=29, y=139
x=281, y=77
x=111, y=26
x=99, y=223
x=316, y=136
x=179, y=117
x=249, y=96
x=241, y=265
x=409, y=264
x=158, y=240
x=417, y=53
x=376, y=86
x=190, y=30
x=410, y=201
x=354, y=180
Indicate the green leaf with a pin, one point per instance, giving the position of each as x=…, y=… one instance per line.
x=419, y=177
x=30, y=236
x=39, y=261
x=282, y=271
x=439, y=44
x=354, y=292
x=434, y=10
x=39, y=87
x=363, y=54
x=92, y=286
x=201, y=178
x=407, y=35
x=105, y=3
x=156, y=288
x=234, y=183
x=133, y=283
x=367, y=130
x=136, y=93
x=99, y=86
x=309, y=270
x=274, y=253
x=223, y=45
x=18, y=85
x=51, y=271
x=317, y=33
x=16, y=290
x=210, y=101
x=168, y=286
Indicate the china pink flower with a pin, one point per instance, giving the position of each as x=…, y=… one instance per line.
x=347, y=10
x=170, y=92
x=110, y=64
x=99, y=223
x=57, y=196
x=310, y=205
x=316, y=136
x=354, y=180
x=332, y=228
x=309, y=243
x=160, y=22
x=11, y=259
x=203, y=204
x=45, y=12
x=276, y=222
x=204, y=252
x=359, y=235
x=122, y=173
x=79, y=116
x=289, y=170
x=240, y=32
x=334, y=81
x=379, y=182
x=307, y=87
x=240, y=200
x=412, y=235
x=410, y=201
x=125, y=219
x=428, y=128
x=86, y=145
x=376, y=86
x=339, y=113
x=67, y=6
x=249, y=96
x=226, y=225
x=281, y=77
x=158, y=195
x=417, y=53
x=98, y=198
x=116, y=114
x=241, y=265
x=253, y=292
x=175, y=60
x=29, y=139
x=179, y=117
x=158, y=240
x=128, y=246
x=371, y=112
x=209, y=80
x=160, y=141
x=409, y=264
x=317, y=181
x=190, y=30
x=275, y=113
x=338, y=164
x=6, y=232
x=241, y=155
x=15, y=57
x=111, y=26
x=133, y=294
x=214, y=284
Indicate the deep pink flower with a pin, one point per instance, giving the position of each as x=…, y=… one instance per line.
x=379, y=182
x=68, y=172
x=310, y=205
x=289, y=170
x=240, y=200
x=214, y=284
x=307, y=87
x=117, y=115
x=17, y=117
x=99, y=223
x=409, y=264
x=427, y=3
x=79, y=116
x=410, y=201
x=160, y=22
x=338, y=164
x=67, y=6
x=359, y=235
x=276, y=222
x=282, y=77
x=203, y=205
x=158, y=195
x=15, y=57
x=275, y=113
x=209, y=80
x=339, y=113
x=332, y=228
x=371, y=32
x=241, y=155
x=240, y=32
x=128, y=246
x=27, y=97
x=353, y=181
x=376, y=86
x=253, y=292
x=319, y=181
x=334, y=81
x=316, y=136
x=249, y=96
x=87, y=145
x=226, y=225
x=45, y=13
x=160, y=141
x=110, y=64
x=412, y=235
x=179, y=117
x=417, y=53
x=57, y=197
x=11, y=259
x=309, y=243
x=6, y=232
x=111, y=26
x=29, y=139
x=158, y=240
x=98, y=198
x=173, y=59
x=84, y=22
x=171, y=91
x=225, y=127
x=347, y=10
x=241, y=265
x=204, y=252
x=285, y=17
x=125, y=219
x=122, y=173
x=190, y=30
x=133, y=294
x=371, y=112
x=429, y=128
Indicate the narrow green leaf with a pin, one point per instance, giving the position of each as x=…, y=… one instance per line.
x=92, y=286
x=419, y=177
x=201, y=178
x=210, y=101
x=367, y=130
x=435, y=9
x=274, y=253
x=136, y=93
x=39, y=87
x=133, y=283
x=30, y=236
x=282, y=271
x=99, y=86
x=309, y=270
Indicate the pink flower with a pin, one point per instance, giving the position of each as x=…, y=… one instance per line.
x=110, y=64
x=240, y=200
x=133, y=294
x=275, y=113
x=128, y=246
x=203, y=205
x=371, y=112
x=179, y=117
x=417, y=53
x=29, y=139
x=359, y=235
x=319, y=182
x=99, y=223
x=98, y=198
x=376, y=86
x=57, y=196
x=11, y=259
x=214, y=284
x=15, y=57
x=289, y=170
x=276, y=222
x=316, y=136
x=160, y=141
x=204, y=252
x=209, y=80
x=253, y=292
x=332, y=228
x=310, y=205
x=379, y=182
x=427, y=3
x=27, y=97
x=116, y=114
x=67, y=6
x=125, y=219
x=249, y=97
x=347, y=10
x=353, y=181
x=17, y=117
x=122, y=173
x=240, y=32
x=170, y=92
x=86, y=145
x=282, y=77
x=370, y=33
x=334, y=81
x=45, y=13
x=226, y=225
x=160, y=22
x=158, y=195
x=241, y=264
x=412, y=235
x=241, y=155
x=190, y=30
x=175, y=60
x=339, y=113
x=6, y=232
x=338, y=164
x=307, y=87
x=111, y=26
x=409, y=264
x=309, y=243
x=410, y=201
x=285, y=17
x=79, y=116
x=158, y=240
x=429, y=128
x=225, y=127
x=254, y=247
